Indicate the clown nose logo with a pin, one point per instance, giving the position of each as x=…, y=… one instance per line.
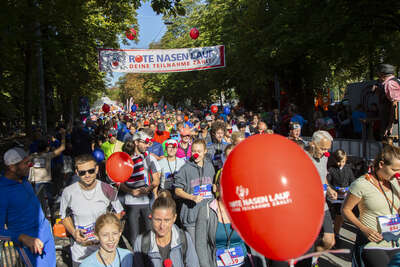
x=397, y=175
x=327, y=154
x=167, y=263
x=195, y=155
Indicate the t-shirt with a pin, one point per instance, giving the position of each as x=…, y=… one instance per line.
x=168, y=171
x=125, y=256
x=321, y=165
x=162, y=137
x=41, y=170
x=85, y=207
x=164, y=251
x=140, y=177
x=373, y=204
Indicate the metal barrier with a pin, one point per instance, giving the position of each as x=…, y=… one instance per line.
x=354, y=147
x=9, y=256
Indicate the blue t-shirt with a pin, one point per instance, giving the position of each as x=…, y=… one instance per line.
x=125, y=259
x=21, y=211
x=356, y=116
x=156, y=148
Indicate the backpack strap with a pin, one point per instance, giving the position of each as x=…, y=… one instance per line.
x=182, y=237
x=145, y=247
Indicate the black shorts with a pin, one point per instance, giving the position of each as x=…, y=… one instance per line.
x=327, y=225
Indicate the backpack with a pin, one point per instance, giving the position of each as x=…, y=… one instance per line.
x=145, y=248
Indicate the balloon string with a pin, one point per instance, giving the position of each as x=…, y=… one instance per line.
x=318, y=254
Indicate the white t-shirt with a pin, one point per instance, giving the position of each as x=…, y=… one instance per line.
x=150, y=164
x=168, y=170
x=86, y=207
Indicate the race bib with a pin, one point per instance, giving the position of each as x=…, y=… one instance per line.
x=390, y=224
x=230, y=257
x=88, y=231
x=203, y=190
x=341, y=195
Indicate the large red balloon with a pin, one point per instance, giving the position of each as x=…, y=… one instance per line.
x=131, y=34
x=119, y=167
x=106, y=108
x=194, y=33
x=274, y=196
x=214, y=109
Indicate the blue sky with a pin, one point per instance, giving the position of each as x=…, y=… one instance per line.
x=151, y=28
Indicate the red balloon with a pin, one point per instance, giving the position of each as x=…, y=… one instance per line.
x=131, y=34
x=106, y=108
x=119, y=167
x=275, y=197
x=214, y=109
x=194, y=33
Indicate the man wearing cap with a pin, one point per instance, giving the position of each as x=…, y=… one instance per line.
x=112, y=145
x=295, y=132
x=388, y=91
x=204, y=133
x=21, y=216
x=170, y=165
x=142, y=186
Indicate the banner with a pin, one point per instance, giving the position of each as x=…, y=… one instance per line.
x=161, y=60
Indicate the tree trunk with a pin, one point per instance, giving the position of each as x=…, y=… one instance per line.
x=28, y=89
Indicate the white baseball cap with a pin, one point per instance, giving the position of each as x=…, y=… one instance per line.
x=14, y=156
x=171, y=142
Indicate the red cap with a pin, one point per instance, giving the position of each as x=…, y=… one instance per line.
x=327, y=154
x=167, y=263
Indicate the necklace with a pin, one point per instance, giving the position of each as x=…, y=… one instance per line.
x=169, y=167
x=119, y=259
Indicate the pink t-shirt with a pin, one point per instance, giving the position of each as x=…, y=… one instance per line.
x=392, y=89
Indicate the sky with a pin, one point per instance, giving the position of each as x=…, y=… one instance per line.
x=151, y=29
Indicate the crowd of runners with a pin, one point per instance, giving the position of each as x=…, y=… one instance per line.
x=170, y=210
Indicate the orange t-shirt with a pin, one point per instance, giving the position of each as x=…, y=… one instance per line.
x=161, y=138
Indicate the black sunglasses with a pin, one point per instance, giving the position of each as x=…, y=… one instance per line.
x=90, y=171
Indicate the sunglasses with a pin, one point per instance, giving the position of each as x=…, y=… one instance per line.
x=185, y=135
x=90, y=171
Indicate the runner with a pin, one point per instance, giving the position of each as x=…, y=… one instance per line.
x=217, y=243
x=142, y=186
x=321, y=143
x=170, y=165
x=217, y=147
x=165, y=243
x=81, y=204
x=108, y=230
x=340, y=176
x=193, y=185
x=112, y=145
x=377, y=196
x=185, y=145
